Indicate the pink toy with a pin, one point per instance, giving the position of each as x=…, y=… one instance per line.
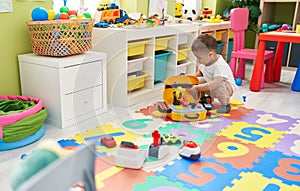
x=239, y=23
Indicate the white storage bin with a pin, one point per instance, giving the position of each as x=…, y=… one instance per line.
x=136, y=64
x=181, y=69
x=182, y=38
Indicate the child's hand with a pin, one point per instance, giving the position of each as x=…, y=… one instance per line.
x=194, y=90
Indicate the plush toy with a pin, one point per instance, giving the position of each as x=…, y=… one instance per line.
x=178, y=10
x=190, y=14
x=46, y=152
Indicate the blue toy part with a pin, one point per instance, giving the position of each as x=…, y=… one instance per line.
x=244, y=98
x=23, y=142
x=56, y=16
x=39, y=14
x=238, y=81
x=296, y=81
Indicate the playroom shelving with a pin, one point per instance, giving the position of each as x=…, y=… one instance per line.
x=116, y=42
x=283, y=11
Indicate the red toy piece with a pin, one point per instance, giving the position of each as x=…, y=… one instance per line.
x=108, y=141
x=156, y=137
x=127, y=144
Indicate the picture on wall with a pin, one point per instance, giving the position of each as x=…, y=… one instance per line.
x=156, y=7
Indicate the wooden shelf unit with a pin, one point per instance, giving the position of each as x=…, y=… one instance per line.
x=270, y=12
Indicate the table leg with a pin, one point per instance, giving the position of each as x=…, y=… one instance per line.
x=258, y=67
x=278, y=61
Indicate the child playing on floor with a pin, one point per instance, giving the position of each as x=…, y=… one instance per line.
x=215, y=75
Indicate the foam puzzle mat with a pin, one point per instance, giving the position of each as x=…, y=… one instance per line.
x=244, y=150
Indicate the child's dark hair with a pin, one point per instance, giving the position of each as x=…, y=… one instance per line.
x=204, y=42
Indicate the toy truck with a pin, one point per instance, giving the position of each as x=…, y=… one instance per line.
x=113, y=16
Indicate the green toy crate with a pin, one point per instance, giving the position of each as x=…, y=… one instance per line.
x=219, y=47
x=230, y=46
x=160, y=65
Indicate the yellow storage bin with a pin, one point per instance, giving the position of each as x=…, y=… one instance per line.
x=231, y=34
x=182, y=53
x=162, y=43
x=137, y=47
x=135, y=82
x=219, y=35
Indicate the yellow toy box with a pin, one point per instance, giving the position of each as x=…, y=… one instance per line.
x=178, y=103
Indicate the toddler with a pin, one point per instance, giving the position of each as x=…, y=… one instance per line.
x=215, y=75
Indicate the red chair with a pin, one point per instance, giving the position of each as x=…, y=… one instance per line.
x=239, y=23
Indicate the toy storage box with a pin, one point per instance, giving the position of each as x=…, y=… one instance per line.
x=135, y=82
x=182, y=53
x=135, y=64
x=219, y=47
x=162, y=43
x=137, y=47
x=160, y=65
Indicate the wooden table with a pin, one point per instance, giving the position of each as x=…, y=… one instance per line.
x=273, y=75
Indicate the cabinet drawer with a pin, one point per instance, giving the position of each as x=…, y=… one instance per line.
x=81, y=77
x=82, y=102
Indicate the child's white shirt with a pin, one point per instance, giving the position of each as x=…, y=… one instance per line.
x=218, y=68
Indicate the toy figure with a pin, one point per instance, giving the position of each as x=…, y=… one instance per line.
x=178, y=10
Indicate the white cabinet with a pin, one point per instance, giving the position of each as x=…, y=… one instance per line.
x=116, y=42
x=72, y=88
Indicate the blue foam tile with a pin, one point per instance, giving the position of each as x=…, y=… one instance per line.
x=277, y=165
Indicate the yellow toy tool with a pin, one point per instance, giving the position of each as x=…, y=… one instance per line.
x=178, y=103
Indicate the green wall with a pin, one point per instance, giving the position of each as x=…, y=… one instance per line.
x=217, y=6
x=141, y=6
x=15, y=40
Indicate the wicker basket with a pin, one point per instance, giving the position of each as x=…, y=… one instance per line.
x=61, y=37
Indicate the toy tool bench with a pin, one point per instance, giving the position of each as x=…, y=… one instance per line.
x=178, y=103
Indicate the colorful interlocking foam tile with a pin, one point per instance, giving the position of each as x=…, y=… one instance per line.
x=243, y=150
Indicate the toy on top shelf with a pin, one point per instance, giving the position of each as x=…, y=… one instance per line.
x=113, y=16
x=190, y=150
x=103, y=5
x=190, y=14
x=178, y=10
x=101, y=24
x=214, y=20
x=41, y=14
x=205, y=14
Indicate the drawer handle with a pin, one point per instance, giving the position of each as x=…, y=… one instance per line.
x=85, y=102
